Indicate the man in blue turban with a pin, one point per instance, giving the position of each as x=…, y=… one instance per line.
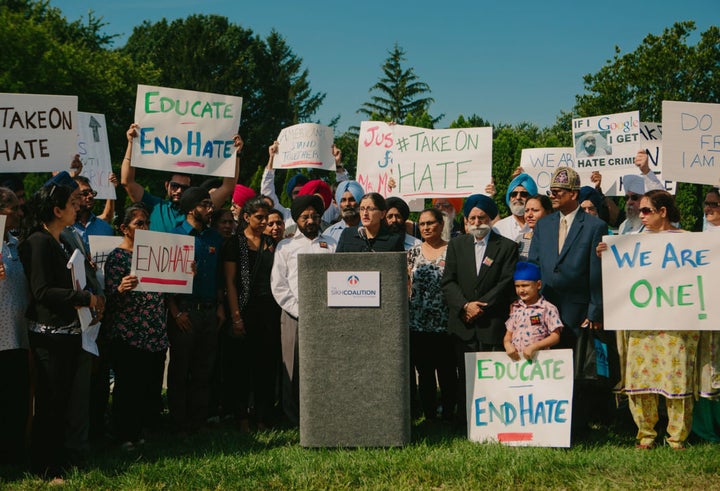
x=518, y=192
x=347, y=197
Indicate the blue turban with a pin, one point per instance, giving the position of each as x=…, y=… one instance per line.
x=485, y=203
x=590, y=193
x=61, y=179
x=526, y=272
x=353, y=186
x=523, y=180
x=296, y=180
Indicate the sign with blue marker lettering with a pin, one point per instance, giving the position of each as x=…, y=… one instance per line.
x=186, y=131
x=410, y=162
x=661, y=281
x=691, y=132
x=520, y=403
x=540, y=163
x=305, y=145
x=94, y=152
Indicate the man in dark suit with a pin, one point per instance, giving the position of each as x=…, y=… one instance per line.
x=563, y=245
x=478, y=286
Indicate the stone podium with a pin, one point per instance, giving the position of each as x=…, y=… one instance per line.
x=354, y=363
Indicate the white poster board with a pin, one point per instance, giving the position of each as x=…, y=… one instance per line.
x=691, y=136
x=607, y=144
x=520, y=403
x=37, y=131
x=540, y=163
x=100, y=247
x=186, y=131
x=661, y=281
x=305, y=145
x=94, y=152
x=423, y=163
x=163, y=262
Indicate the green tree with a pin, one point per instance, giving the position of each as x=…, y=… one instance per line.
x=400, y=92
x=663, y=67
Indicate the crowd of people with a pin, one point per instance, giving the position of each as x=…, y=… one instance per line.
x=518, y=284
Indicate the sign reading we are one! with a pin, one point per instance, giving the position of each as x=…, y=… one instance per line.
x=186, y=131
x=353, y=288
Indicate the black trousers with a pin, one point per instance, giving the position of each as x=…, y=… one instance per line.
x=432, y=353
x=14, y=394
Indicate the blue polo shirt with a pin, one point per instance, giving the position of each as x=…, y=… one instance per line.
x=164, y=215
x=207, y=278
x=94, y=226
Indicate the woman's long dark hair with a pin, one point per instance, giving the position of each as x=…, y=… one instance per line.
x=40, y=208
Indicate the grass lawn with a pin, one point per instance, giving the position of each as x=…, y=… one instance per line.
x=437, y=458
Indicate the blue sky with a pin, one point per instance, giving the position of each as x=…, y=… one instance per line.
x=510, y=61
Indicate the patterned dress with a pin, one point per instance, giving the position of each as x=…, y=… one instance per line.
x=428, y=310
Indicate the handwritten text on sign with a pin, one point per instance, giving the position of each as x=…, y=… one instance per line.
x=163, y=262
x=607, y=143
x=305, y=145
x=37, y=131
x=520, y=403
x=661, y=281
x=94, y=153
x=186, y=131
x=540, y=163
x=691, y=135
x=422, y=162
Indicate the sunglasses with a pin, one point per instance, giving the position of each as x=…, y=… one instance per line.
x=88, y=192
x=646, y=211
x=556, y=192
x=520, y=194
x=177, y=185
x=711, y=204
x=633, y=197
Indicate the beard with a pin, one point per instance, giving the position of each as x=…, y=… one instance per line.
x=397, y=227
x=632, y=212
x=310, y=230
x=517, y=208
x=447, y=226
x=349, y=213
x=479, y=231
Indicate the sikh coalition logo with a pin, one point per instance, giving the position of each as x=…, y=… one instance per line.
x=353, y=288
x=353, y=280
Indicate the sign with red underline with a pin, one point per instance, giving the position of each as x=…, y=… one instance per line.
x=163, y=262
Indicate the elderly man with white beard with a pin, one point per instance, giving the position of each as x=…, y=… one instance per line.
x=478, y=286
x=635, y=186
x=518, y=192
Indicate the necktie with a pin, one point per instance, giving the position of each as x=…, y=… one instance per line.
x=562, y=233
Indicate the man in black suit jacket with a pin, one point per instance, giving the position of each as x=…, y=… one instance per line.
x=478, y=286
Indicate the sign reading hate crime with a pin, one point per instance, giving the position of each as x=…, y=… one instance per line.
x=661, y=281
x=305, y=145
x=520, y=403
x=37, y=131
x=423, y=163
x=607, y=143
x=186, y=131
x=692, y=142
x=94, y=153
x=163, y=262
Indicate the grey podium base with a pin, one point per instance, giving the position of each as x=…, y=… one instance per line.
x=354, y=364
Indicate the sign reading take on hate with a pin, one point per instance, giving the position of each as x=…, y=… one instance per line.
x=520, y=403
x=38, y=132
x=661, y=281
x=186, y=131
x=423, y=163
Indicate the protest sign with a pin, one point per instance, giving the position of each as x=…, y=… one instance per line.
x=38, y=131
x=423, y=163
x=691, y=136
x=661, y=281
x=607, y=143
x=305, y=145
x=94, y=153
x=185, y=131
x=540, y=163
x=163, y=262
x=520, y=403
x=100, y=247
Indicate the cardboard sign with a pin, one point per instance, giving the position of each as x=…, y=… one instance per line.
x=186, y=131
x=423, y=163
x=100, y=247
x=607, y=144
x=520, y=403
x=305, y=145
x=661, y=281
x=540, y=163
x=94, y=153
x=163, y=262
x=691, y=135
x=37, y=131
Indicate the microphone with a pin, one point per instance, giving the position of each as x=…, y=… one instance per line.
x=362, y=233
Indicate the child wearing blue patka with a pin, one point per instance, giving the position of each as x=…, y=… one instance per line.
x=534, y=323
